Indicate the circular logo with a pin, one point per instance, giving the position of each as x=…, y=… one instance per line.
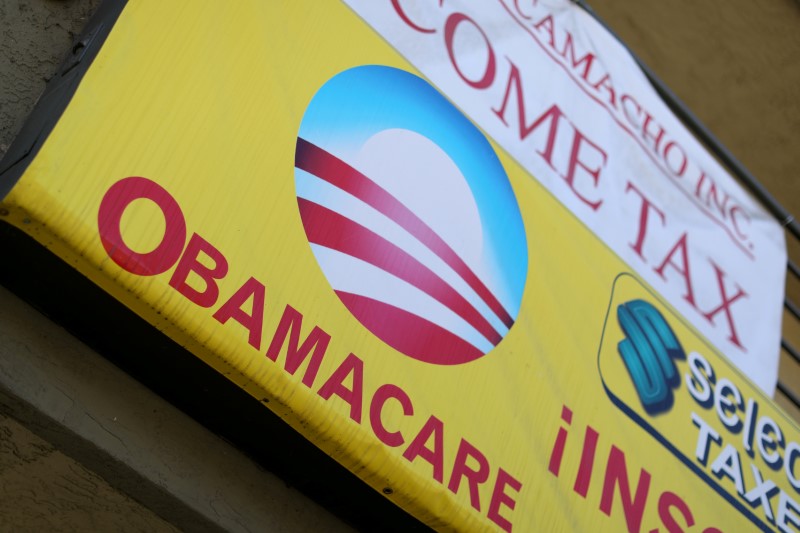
x=410, y=215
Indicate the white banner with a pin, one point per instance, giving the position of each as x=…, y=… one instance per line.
x=566, y=100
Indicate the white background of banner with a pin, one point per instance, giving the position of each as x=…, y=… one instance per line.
x=700, y=241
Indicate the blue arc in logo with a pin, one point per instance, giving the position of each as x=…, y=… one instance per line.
x=648, y=353
x=410, y=215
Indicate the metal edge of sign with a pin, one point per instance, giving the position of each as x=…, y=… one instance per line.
x=53, y=286
x=57, y=94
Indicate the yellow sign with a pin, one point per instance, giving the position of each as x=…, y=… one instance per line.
x=278, y=191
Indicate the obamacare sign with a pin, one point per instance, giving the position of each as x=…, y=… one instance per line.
x=465, y=253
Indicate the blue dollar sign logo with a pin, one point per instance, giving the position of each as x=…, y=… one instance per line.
x=649, y=352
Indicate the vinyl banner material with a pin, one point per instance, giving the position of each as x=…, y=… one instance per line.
x=570, y=105
x=458, y=247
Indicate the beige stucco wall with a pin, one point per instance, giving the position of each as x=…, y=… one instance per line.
x=735, y=64
x=42, y=489
x=35, y=35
